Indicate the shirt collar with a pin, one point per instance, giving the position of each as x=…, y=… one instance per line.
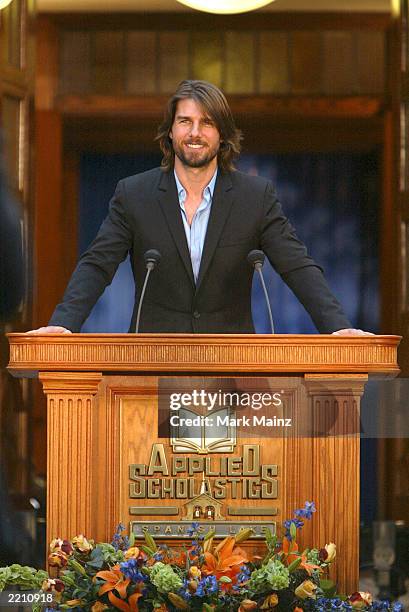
x=207, y=191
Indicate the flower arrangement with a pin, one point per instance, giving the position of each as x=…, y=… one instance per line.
x=208, y=576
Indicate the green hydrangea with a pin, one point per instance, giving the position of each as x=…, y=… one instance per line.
x=273, y=575
x=164, y=578
x=23, y=576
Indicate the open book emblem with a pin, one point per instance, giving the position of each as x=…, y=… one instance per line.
x=212, y=434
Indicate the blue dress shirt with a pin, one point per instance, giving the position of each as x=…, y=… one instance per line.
x=196, y=232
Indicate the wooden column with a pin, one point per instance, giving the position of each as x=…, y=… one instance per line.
x=69, y=440
x=334, y=402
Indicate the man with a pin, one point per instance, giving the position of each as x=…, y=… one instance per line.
x=204, y=218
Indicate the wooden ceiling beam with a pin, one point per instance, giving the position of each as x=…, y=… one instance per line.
x=205, y=21
x=152, y=106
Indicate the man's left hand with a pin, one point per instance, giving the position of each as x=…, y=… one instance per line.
x=352, y=332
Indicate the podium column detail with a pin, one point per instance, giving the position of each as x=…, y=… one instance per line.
x=335, y=408
x=70, y=399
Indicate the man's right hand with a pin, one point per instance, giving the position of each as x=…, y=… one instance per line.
x=50, y=329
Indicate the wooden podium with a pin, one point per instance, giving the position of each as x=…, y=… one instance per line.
x=108, y=461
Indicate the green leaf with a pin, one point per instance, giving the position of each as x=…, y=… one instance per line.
x=293, y=566
x=329, y=587
x=77, y=566
x=147, y=550
x=131, y=540
x=150, y=541
x=68, y=580
x=293, y=531
x=268, y=535
x=209, y=534
x=225, y=580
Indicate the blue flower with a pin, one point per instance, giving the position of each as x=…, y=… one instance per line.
x=184, y=591
x=244, y=574
x=385, y=605
x=307, y=511
x=119, y=541
x=131, y=569
x=326, y=605
x=287, y=524
x=192, y=529
x=207, y=586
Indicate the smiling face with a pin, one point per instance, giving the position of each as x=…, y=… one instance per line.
x=195, y=137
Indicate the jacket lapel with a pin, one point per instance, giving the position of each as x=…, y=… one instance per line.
x=221, y=205
x=169, y=202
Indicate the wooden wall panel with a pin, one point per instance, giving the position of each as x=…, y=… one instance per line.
x=75, y=62
x=13, y=119
x=47, y=66
x=208, y=57
x=141, y=62
x=403, y=142
x=173, y=60
x=306, y=60
x=49, y=220
x=14, y=30
x=273, y=68
x=291, y=61
x=107, y=65
x=339, y=59
x=240, y=62
x=370, y=62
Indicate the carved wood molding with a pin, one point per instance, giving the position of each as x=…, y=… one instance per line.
x=247, y=353
x=70, y=382
x=70, y=417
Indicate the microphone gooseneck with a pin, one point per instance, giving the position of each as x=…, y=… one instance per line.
x=152, y=259
x=256, y=260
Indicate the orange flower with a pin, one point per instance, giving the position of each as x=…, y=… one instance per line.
x=132, y=553
x=291, y=551
x=225, y=561
x=116, y=581
x=176, y=558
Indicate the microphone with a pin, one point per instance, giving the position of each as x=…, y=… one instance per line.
x=152, y=259
x=256, y=260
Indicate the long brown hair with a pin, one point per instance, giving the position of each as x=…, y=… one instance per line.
x=215, y=105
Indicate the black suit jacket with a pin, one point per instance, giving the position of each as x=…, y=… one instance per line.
x=145, y=214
